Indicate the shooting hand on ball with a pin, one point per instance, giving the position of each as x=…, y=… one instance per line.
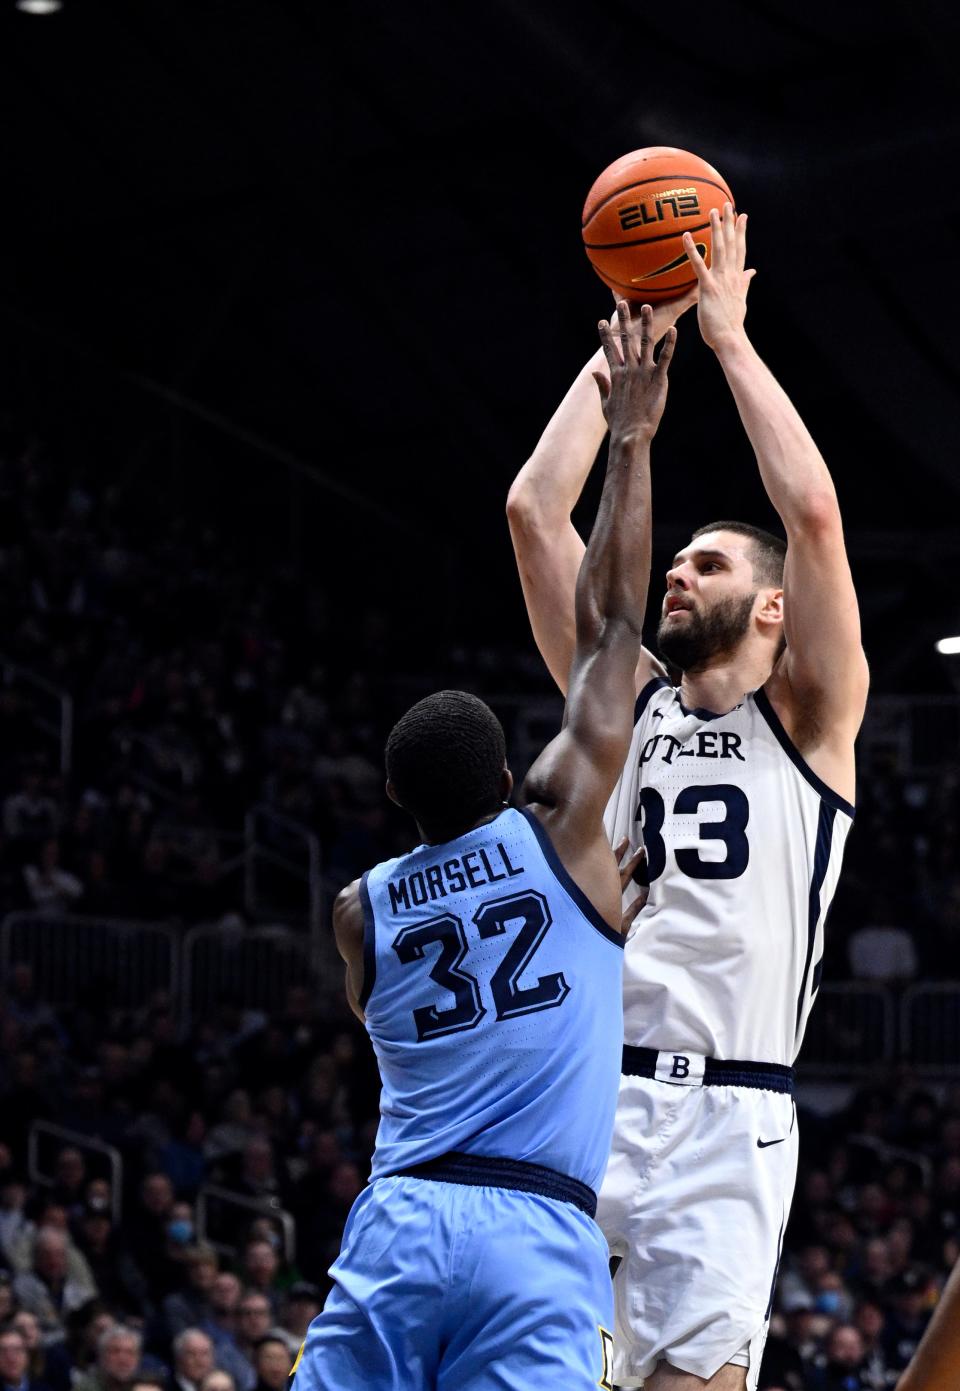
x=723, y=285
x=634, y=394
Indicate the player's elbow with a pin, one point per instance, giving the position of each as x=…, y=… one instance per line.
x=819, y=515
x=530, y=510
x=523, y=511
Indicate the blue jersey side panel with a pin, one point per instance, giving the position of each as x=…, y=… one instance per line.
x=495, y=1005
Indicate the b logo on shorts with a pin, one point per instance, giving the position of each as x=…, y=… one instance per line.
x=606, y=1351
x=681, y=1066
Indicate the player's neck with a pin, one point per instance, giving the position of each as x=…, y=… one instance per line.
x=724, y=680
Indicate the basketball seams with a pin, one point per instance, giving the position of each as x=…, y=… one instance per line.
x=644, y=241
x=659, y=178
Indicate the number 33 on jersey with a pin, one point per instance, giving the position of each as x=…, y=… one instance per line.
x=743, y=845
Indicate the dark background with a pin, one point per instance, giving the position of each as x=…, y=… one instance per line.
x=314, y=273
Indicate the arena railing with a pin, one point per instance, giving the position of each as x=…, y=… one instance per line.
x=284, y=879
x=216, y=1206
x=912, y=733
x=73, y=1139
x=117, y=961
x=254, y=966
x=851, y=1030
x=930, y=1026
x=51, y=708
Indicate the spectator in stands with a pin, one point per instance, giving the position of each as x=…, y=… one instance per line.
x=23, y=1003
x=910, y=1302
x=254, y=1317
x=160, y=1231
x=70, y=1176
x=67, y=1362
x=261, y=1265
x=870, y=1322
x=38, y=1354
x=13, y=1217
x=7, y=1304
x=118, y=1278
x=30, y=816
x=192, y=1358
x=272, y=1361
x=301, y=1306
x=192, y=1306
x=50, y=888
x=257, y=1176
x=225, y=1297
x=218, y=1380
x=841, y=1368
x=48, y=1290
x=14, y=1360
x=118, y=1357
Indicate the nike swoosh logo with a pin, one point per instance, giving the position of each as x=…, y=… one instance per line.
x=677, y=261
x=765, y=1144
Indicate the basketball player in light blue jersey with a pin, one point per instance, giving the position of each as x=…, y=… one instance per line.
x=487, y=967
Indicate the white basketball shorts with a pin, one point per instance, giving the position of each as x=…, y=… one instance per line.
x=695, y=1203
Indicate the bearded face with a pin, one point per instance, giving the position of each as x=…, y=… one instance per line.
x=688, y=638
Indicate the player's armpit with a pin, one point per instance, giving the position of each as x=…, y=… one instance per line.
x=348, y=933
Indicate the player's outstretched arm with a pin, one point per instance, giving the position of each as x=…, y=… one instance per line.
x=936, y=1362
x=539, y=506
x=824, y=663
x=569, y=785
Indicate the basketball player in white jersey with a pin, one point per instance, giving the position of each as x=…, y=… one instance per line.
x=740, y=783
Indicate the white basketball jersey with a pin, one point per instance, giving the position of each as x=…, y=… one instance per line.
x=744, y=844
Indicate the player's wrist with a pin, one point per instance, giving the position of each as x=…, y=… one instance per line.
x=731, y=343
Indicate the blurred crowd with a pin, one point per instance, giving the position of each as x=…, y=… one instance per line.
x=202, y=688
x=243, y=1144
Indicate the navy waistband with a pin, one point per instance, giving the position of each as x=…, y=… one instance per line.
x=717, y=1072
x=483, y=1171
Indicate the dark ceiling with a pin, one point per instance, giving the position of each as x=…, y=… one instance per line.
x=322, y=265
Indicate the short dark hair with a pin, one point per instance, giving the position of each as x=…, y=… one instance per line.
x=445, y=757
x=768, y=551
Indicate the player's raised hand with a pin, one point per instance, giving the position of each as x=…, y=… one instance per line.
x=634, y=394
x=722, y=306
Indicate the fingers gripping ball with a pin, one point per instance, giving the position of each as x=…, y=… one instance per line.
x=635, y=217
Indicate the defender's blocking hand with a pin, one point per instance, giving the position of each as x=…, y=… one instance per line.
x=634, y=394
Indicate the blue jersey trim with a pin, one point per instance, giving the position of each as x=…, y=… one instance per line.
x=833, y=799
x=821, y=859
x=575, y=892
x=369, y=943
x=657, y=683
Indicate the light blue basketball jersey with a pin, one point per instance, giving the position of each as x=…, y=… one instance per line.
x=492, y=993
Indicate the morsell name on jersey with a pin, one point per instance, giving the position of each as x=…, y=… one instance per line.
x=475, y=868
x=708, y=743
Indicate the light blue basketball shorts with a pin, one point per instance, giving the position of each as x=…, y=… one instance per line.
x=445, y=1287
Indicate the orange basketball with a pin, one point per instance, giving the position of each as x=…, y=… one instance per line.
x=635, y=217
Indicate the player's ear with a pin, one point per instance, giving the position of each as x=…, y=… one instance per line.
x=392, y=794
x=771, y=607
x=506, y=784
